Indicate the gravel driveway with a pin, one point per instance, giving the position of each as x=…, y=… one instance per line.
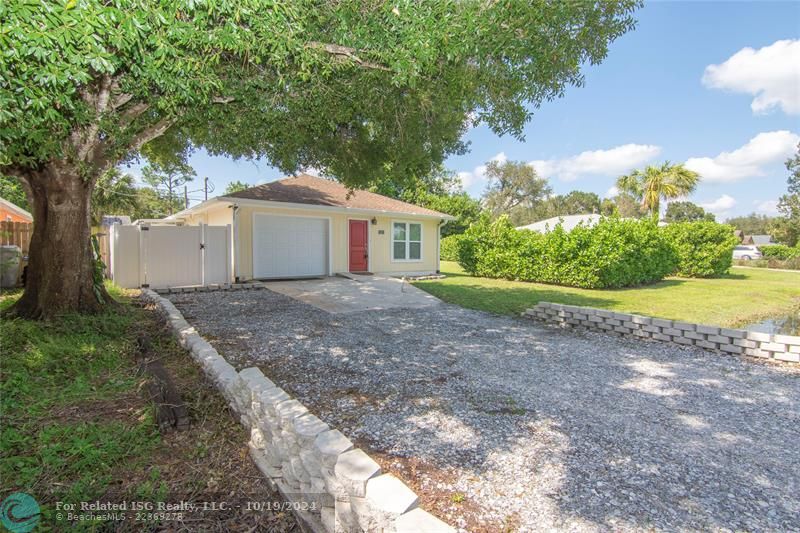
x=501, y=423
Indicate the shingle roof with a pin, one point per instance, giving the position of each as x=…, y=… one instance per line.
x=306, y=189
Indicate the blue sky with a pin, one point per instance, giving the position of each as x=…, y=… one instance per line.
x=682, y=86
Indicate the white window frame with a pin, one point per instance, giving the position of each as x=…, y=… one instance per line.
x=408, y=241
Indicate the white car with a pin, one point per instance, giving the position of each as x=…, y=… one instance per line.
x=746, y=252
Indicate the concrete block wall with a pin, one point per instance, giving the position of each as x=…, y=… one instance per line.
x=331, y=485
x=210, y=288
x=726, y=340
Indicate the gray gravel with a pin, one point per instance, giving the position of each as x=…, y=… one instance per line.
x=536, y=428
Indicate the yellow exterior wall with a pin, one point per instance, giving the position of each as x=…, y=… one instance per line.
x=379, y=244
x=215, y=216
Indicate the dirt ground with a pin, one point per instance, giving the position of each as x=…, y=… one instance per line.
x=208, y=462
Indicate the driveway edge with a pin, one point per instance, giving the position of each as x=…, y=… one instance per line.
x=328, y=484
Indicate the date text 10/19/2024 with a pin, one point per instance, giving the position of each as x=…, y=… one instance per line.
x=183, y=506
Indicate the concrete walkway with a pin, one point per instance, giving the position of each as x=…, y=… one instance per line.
x=361, y=293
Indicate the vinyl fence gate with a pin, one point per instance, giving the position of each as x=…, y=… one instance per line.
x=170, y=256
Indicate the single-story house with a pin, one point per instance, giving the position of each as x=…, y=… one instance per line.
x=13, y=213
x=758, y=240
x=307, y=226
x=568, y=222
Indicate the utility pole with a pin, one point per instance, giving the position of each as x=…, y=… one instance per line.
x=185, y=197
x=205, y=186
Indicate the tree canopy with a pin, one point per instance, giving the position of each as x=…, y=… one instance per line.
x=167, y=178
x=114, y=194
x=11, y=189
x=361, y=90
x=572, y=203
x=623, y=205
x=230, y=76
x=514, y=189
x=235, y=186
x=752, y=224
x=439, y=190
x=786, y=228
x=686, y=212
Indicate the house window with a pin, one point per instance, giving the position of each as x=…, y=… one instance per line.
x=406, y=241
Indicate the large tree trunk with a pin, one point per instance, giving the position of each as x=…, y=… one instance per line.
x=60, y=265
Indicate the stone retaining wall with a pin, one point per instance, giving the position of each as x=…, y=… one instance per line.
x=731, y=341
x=210, y=288
x=333, y=486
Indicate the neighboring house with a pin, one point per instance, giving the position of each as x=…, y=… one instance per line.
x=12, y=213
x=110, y=220
x=757, y=240
x=760, y=240
x=309, y=226
x=568, y=222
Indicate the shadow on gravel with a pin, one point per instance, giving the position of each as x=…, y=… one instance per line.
x=497, y=422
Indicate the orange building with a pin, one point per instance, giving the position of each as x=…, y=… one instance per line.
x=12, y=213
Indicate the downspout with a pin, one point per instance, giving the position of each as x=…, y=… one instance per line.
x=235, y=208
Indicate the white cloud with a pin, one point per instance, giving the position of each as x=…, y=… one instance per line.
x=767, y=207
x=721, y=204
x=771, y=74
x=747, y=161
x=609, y=162
x=475, y=181
x=611, y=192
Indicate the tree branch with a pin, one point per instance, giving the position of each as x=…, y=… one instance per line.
x=130, y=114
x=148, y=134
x=85, y=139
x=108, y=155
x=340, y=51
x=120, y=100
x=15, y=171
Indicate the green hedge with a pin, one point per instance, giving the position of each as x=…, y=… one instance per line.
x=614, y=253
x=780, y=251
x=788, y=264
x=704, y=249
x=448, y=248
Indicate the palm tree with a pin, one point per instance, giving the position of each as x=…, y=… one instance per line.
x=655, y=183
x=114, y=194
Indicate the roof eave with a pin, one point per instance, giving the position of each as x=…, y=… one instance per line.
x=202, y=206
x=330, y=208
x=11, y=206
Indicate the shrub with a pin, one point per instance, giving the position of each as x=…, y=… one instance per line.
x=489, y=248
x=704, y=248
x=780, y=251
x=789, y=264
x=448, y=248
x=793, y=263
x=614, y=253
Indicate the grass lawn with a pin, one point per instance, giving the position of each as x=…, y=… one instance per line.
x=744, y=296
x=75, y=424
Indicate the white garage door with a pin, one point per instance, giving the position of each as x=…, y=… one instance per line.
x=287, y=247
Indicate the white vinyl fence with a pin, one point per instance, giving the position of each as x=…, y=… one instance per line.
x=170, y=256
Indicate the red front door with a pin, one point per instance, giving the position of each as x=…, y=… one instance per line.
x=358, y=246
